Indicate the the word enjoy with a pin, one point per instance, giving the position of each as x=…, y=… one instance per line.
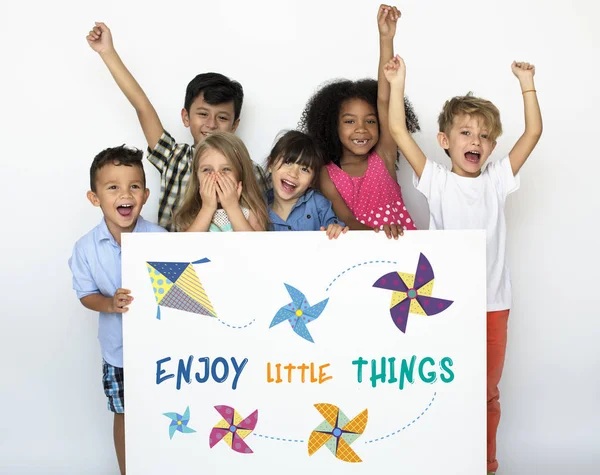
x=218, y=370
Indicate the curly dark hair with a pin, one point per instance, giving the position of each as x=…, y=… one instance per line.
x=320, y=116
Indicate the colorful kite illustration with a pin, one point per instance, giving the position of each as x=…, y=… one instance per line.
x=337, y=432
x=412, y=293
x=179, y=422
x=176, y=285
x=299, y=313
x=233, y=429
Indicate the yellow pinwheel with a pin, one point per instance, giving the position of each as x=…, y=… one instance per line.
x=337, y=432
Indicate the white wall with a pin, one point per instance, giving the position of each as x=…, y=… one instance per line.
x=59, y=107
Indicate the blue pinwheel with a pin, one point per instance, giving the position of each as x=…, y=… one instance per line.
x=179, y=422
x=299, y=312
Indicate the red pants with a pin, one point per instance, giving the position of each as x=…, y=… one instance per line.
x=496, y=350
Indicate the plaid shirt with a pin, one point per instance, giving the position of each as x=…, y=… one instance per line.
x=174, y=162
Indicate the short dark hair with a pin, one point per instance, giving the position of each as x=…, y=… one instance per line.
x=296, y=147
x=217, y=89
x=123, y=155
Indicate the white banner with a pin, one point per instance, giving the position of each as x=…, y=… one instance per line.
x=288, y=353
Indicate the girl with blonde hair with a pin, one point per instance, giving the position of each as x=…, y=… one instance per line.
x=222, y=194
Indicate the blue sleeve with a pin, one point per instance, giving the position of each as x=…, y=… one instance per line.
x=83, y=281
x=325, y=210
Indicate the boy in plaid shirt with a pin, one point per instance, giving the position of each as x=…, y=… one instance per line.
x=213, y=103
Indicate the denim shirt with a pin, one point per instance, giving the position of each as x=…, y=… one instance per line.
x=311, y=211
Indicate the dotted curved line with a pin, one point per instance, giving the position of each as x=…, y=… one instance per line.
x=358, y=265
x=276, y=438
x=237, y=327
x=405, y=427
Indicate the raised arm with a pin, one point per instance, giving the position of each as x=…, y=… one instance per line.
x=395, y=73
x=339, y=206
x=387, y=17
x=100, y=40
x=533, y=117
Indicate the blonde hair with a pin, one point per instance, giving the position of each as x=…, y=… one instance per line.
x=237, y=154
x=473, y=106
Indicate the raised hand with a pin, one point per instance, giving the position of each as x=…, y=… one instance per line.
x=208, y=191
x=523, y=71
x=395, y=70
x=387, y=17
x=228, y=191
x=100, y=38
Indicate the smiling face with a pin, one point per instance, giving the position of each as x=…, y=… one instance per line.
x=204, y=119
x=358, y=127
x=290, y=181
x=468, y=144
x=121, y=194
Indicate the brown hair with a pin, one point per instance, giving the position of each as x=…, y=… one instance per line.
x=237, y=154
x=473, y=106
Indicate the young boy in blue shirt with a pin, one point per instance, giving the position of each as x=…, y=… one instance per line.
x=118, y=188
x=213, y=103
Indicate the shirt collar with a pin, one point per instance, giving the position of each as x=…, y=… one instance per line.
x=103, y=233
x=303, y=199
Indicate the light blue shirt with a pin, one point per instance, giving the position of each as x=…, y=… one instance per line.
x=96, y=268
x=309, y=213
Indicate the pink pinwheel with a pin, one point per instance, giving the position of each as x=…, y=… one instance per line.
x=412, y=293
x=233, y=429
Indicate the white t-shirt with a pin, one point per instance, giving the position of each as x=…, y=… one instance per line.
x=457, y=202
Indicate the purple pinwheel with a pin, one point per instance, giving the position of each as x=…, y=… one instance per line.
x=299, y=312
x=233, y=429
x=412, y=293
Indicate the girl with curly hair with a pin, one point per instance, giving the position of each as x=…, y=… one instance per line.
x=349, y=122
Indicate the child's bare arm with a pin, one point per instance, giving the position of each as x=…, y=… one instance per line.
x=118, y=303
x=100, y=40
x=395, y=73
x=339, y=206
x=387, y=17
x=533, y=117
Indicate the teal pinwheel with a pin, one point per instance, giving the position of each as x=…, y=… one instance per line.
x=179, y=422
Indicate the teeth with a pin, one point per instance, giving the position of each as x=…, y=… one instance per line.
x=125, y=206
x=474, y=152
x=360, y=142
x=289, y=183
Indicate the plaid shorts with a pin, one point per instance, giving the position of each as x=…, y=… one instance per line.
x=112, y=380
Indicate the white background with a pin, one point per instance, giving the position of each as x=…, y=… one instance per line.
x=59, y=107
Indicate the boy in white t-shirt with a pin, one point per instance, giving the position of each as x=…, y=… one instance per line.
x=466, y=197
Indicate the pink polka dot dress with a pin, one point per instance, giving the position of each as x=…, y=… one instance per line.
x=375, y=198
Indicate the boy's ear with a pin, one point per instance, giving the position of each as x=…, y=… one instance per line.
x=146, y=195
x=93, y=198
x=493, y=147
x=443, y=140
x=235, y=125
x=185, y=117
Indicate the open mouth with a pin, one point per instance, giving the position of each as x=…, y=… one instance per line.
x=472, y=156
x=360, y=142
x=288, y=186
x=125, y=210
